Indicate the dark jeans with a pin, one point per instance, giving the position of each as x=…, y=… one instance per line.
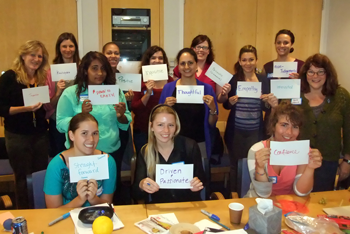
x=238, y=147
x=56, y=138
x=118, y=157
x=140, y=139
x=324, y=176
x=27, y=154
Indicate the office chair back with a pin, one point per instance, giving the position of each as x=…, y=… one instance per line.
x=243, y=177
x=35, y=186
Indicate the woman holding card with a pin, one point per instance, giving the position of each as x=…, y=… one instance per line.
x=197, y=120
x=67, y=51
x=25, y=126
x=284, y=41
x=112, y=52
x=245, y=122
x=166, y=146
x=148, y=98
x=83, y=136
x=203, y=47
x=326, y=107
x=95, y=69
x=271, y=180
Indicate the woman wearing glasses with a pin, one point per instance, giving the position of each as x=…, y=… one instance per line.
x=203, y=47
x=326, y=108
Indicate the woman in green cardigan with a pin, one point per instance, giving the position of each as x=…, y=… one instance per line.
x=326, y=108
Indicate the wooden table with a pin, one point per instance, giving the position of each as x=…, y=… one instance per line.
x=38, y=219
x=189, y=212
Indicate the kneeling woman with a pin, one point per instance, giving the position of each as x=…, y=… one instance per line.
x=284, y=125
x=59, y=192
x=165, y=146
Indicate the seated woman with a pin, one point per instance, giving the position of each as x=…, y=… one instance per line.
x=59, y=192
x=165, y=146
x=270, y=180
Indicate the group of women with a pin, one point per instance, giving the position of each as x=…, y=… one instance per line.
x=165, y=131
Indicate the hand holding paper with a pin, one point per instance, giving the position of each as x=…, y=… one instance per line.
x=86, y=107
x=315, y=159
x=149, y=186
x=91, y=190
x=120, y=109
x=196, y=184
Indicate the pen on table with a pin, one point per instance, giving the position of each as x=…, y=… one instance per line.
x=59, y=219
x=219, y=223
x=210, y=215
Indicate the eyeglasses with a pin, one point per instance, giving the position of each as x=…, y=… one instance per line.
x=319, y=73
x=205, y=48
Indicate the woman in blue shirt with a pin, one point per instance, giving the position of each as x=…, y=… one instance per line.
x=83, y=138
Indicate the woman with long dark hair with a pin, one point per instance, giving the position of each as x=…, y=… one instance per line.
x=245, y=122
x=95, y=69
x=67, y=51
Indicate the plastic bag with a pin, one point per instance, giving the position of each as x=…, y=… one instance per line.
x=305, y=224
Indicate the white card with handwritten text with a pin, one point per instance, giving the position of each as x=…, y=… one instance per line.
x=104, y=94
x=286, y=88
x=32, y=96
x=283, y=69
x=64, y=71
x=248, y=89
x=289, y=153
x=155, y=72
x=174, y=176
x=128, y=81
x=190, y=94
x=88, y=167
x=218, y=74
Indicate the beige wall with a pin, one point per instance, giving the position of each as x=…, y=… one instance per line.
x=337, y=39
x=34, y=20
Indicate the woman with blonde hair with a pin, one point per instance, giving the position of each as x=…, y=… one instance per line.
x=25, y=126
x=165, y=146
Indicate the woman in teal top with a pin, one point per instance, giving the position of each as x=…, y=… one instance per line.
x=83, y=138
x=95, y=69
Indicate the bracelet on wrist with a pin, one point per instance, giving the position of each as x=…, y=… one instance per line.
x=259, y=173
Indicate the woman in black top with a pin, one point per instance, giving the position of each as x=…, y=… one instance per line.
x=25, y=126
x=165, y=146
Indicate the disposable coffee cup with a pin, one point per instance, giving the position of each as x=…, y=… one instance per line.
x=236, y=210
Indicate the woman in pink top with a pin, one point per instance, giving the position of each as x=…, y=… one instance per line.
x=270, y=180
x=203, y=47
x=67, y=51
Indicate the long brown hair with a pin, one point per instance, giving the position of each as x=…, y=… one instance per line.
x=320, y=61
x=200, y=39
x=82, y=76
x=151, y=148
x=18, y=64
x=238, y=68
x=66, y=36
x=146, y=57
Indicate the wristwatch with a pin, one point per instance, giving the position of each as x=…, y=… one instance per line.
x=346, y=160
x=213, y=113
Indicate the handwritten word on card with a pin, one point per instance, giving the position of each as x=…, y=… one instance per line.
x=189, y=94
x=286, y=88
x=32, y=96
x=129, y=81
x=104, y=94
x=289, y=153
x=175, y=176
x=155, y=72
x=64, y=71
x=218, y=74
x=88, y=167
x=248, y=89
x=283, y=69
